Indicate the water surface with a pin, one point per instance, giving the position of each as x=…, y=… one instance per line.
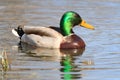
x=100, y=59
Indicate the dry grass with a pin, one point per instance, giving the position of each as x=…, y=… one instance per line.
x=4, y=61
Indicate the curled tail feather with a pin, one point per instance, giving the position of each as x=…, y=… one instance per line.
x=18, y=32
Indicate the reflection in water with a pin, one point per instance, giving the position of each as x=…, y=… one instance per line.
x=68, y=65
x=3, y=75
x=65, y=56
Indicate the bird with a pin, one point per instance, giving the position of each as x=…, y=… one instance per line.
x=54, y=37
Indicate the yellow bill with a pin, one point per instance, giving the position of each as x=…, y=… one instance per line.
x=86, y=25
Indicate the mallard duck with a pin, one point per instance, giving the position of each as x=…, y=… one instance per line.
x=54, y=37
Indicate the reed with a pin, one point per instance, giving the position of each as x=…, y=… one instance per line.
x=4, y=61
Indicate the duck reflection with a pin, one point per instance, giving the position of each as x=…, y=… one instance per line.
x=45, y=54
x=69, y=68
x=66, y=57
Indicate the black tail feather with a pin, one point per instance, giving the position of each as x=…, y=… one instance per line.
x=20, y=31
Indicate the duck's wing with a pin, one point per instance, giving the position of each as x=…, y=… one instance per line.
x=42, y=31
x=42, y=36
x=55, y=28
x=37, y=30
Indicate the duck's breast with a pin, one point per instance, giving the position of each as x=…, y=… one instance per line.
x=72, y=41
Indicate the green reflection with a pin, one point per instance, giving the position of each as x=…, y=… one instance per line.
x=67, y=64
x=69, y=68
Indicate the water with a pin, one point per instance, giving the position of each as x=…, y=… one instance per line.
x=100, y=59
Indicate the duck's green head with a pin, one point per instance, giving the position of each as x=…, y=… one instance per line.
x=71, y=19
